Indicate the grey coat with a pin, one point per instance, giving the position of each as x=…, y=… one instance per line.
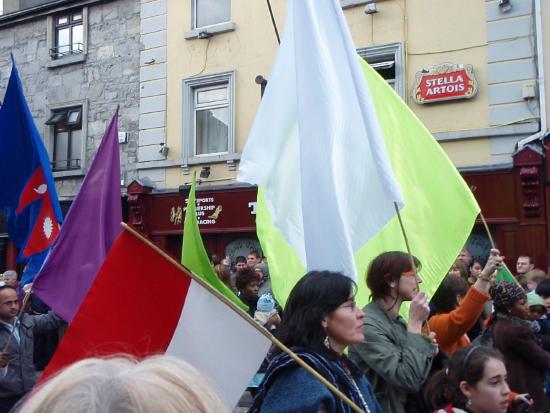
x=21, y=376
x=395, y=361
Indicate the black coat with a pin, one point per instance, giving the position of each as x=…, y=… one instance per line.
x=525, y=360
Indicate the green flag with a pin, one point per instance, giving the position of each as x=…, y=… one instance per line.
x=438, y=215
x=193, y=254
x=504, y=274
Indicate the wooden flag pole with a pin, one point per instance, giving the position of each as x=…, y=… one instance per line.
x=246, y=318
x=487, y=230
x=413, y=265
x=493, y=246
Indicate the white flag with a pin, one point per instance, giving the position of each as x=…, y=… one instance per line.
x=316, y=145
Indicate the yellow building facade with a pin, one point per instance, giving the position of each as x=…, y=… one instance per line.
x=428, y=32
x=201, y=59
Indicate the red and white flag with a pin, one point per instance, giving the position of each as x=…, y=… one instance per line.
x=141, y=303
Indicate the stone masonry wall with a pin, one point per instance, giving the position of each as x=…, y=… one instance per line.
x=108, y=77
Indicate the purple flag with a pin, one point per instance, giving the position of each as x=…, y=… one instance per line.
x=90, y=228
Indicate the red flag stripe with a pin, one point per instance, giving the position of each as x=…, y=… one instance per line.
x=35, y=189
x=133, y=306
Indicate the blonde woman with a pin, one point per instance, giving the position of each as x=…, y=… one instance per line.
x=160, y=384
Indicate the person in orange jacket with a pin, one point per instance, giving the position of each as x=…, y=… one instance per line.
x=458, y=307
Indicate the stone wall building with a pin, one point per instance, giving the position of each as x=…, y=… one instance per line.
x=78, y=60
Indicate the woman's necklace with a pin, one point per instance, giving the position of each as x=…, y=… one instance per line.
x=363, y=401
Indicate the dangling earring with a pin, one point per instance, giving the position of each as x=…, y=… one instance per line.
x=326, y=342
x=469, y=403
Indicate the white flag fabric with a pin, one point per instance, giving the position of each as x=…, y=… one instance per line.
x=316, y=146
x=219, y=343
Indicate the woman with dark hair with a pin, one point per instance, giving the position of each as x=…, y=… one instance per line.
x=321, y=320
x=458, y=306
x=459, y=269
x=395, y=355
x=477, y=266
x=525, y=359
x=247, y=287
x=474, y=381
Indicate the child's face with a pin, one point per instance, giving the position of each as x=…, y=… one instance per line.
x=546, y=301
x=531, y=285
x=536, y=312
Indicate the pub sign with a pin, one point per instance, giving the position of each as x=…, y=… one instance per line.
x=445, y=81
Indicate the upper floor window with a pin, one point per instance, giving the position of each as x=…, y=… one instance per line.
x=387, y=60
x=208, y=118
x=69, y=35
x=211, y=119
x=210, y=12
x=67, y=138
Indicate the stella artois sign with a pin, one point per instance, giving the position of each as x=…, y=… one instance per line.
x=445, y=81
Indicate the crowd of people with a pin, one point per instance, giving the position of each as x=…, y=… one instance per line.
x=477, y=346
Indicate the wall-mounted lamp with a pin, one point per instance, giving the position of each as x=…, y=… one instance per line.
x=370, y=8
x=205, y=172
x=262, y=81
x=504, y=6
x=163, y=149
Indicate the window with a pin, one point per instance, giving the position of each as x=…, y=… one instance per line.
x=211, y=119
x=387, y=60
x=67, y=138
x=69, y=35
x=208, y=121
x=210, y=12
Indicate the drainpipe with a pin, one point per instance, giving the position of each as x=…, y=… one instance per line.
x=540, y=69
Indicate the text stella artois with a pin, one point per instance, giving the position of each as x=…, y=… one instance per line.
x=445, y=82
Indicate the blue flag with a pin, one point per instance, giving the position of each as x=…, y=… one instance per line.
x=27, y=195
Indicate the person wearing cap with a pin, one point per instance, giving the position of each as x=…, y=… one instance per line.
x=513, y=335
x=266, y=313
x=264, y=282
x=537, y=315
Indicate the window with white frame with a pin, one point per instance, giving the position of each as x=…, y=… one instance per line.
x=211, y=119
x=210, y=12
x=208, y=119
x=67, y=138
x=387, y=60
